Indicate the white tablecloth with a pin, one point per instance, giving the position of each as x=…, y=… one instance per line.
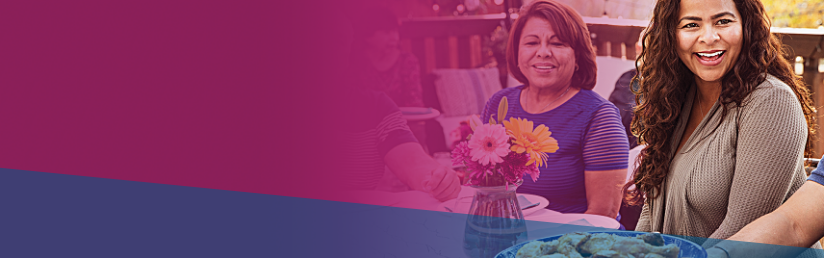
x=424, y=201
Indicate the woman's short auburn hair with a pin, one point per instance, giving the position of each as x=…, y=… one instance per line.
x=570, y=28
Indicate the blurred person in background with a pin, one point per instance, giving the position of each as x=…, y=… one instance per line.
x=379, y=61
x=365, y=131
x=623, y=98
x=381, y=65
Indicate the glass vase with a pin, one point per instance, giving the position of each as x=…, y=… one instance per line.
x=494, y=222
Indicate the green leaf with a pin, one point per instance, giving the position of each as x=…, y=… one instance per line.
x=492, y=119
x=502, y=108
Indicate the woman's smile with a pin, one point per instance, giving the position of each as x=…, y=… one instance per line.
x=544, y=67
x=710, y=58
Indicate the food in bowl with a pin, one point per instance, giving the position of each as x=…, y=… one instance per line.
x=600, y=245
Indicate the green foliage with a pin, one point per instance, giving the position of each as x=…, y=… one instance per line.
x=795, y=13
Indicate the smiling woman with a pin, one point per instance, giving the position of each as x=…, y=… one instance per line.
x=708, y=46
x=724, y=119
x=550, y=51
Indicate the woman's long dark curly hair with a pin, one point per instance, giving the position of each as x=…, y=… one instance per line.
x=664, y=81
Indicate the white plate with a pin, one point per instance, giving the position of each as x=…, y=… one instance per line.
x=542, y=203
x=579, y=219
x=598, y=221
x=419, y=113
x=463, y=202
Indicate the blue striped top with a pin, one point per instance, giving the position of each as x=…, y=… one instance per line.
x=590, y=137
x=818, y=174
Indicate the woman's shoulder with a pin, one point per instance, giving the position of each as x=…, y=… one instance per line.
x=772, y=85
x=771, y=98
x=772, y=88
x=588, y=99
x=592, y=96
x=509, y=93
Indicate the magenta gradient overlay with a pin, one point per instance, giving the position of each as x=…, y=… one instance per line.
x=207, y=94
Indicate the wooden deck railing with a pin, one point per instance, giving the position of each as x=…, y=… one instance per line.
x=448, y=42
x=457, y=42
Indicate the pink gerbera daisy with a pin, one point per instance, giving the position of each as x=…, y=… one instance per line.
x=460, y=154
x=489, y=144
x=533, y=172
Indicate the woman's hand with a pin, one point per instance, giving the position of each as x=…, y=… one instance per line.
x=443, y=184
x=421, y=172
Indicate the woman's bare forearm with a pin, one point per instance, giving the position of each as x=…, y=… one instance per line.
x=411, y=164
x=604, y=191
x=798, y=222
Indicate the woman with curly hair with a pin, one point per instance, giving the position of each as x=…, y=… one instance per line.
x=725, y=120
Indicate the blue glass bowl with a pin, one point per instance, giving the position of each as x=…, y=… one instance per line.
x=686, y=247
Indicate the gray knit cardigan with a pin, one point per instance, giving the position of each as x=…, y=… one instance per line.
x=731, y=171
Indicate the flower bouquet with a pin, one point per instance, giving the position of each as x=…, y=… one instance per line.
x=501, y=152
x=497, y=155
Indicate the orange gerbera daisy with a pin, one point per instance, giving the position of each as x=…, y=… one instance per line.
x=535, y=142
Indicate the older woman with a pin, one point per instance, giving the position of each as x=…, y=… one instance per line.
x=550, y=52
x=724, y=119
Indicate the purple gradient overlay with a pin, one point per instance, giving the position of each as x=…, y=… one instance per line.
x=189, y=93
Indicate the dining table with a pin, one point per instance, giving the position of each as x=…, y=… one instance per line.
x=428, y=227
x=431, y=230
x=539, y=215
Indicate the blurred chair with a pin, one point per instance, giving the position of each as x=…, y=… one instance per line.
x=463, y=92
x=457, y=93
